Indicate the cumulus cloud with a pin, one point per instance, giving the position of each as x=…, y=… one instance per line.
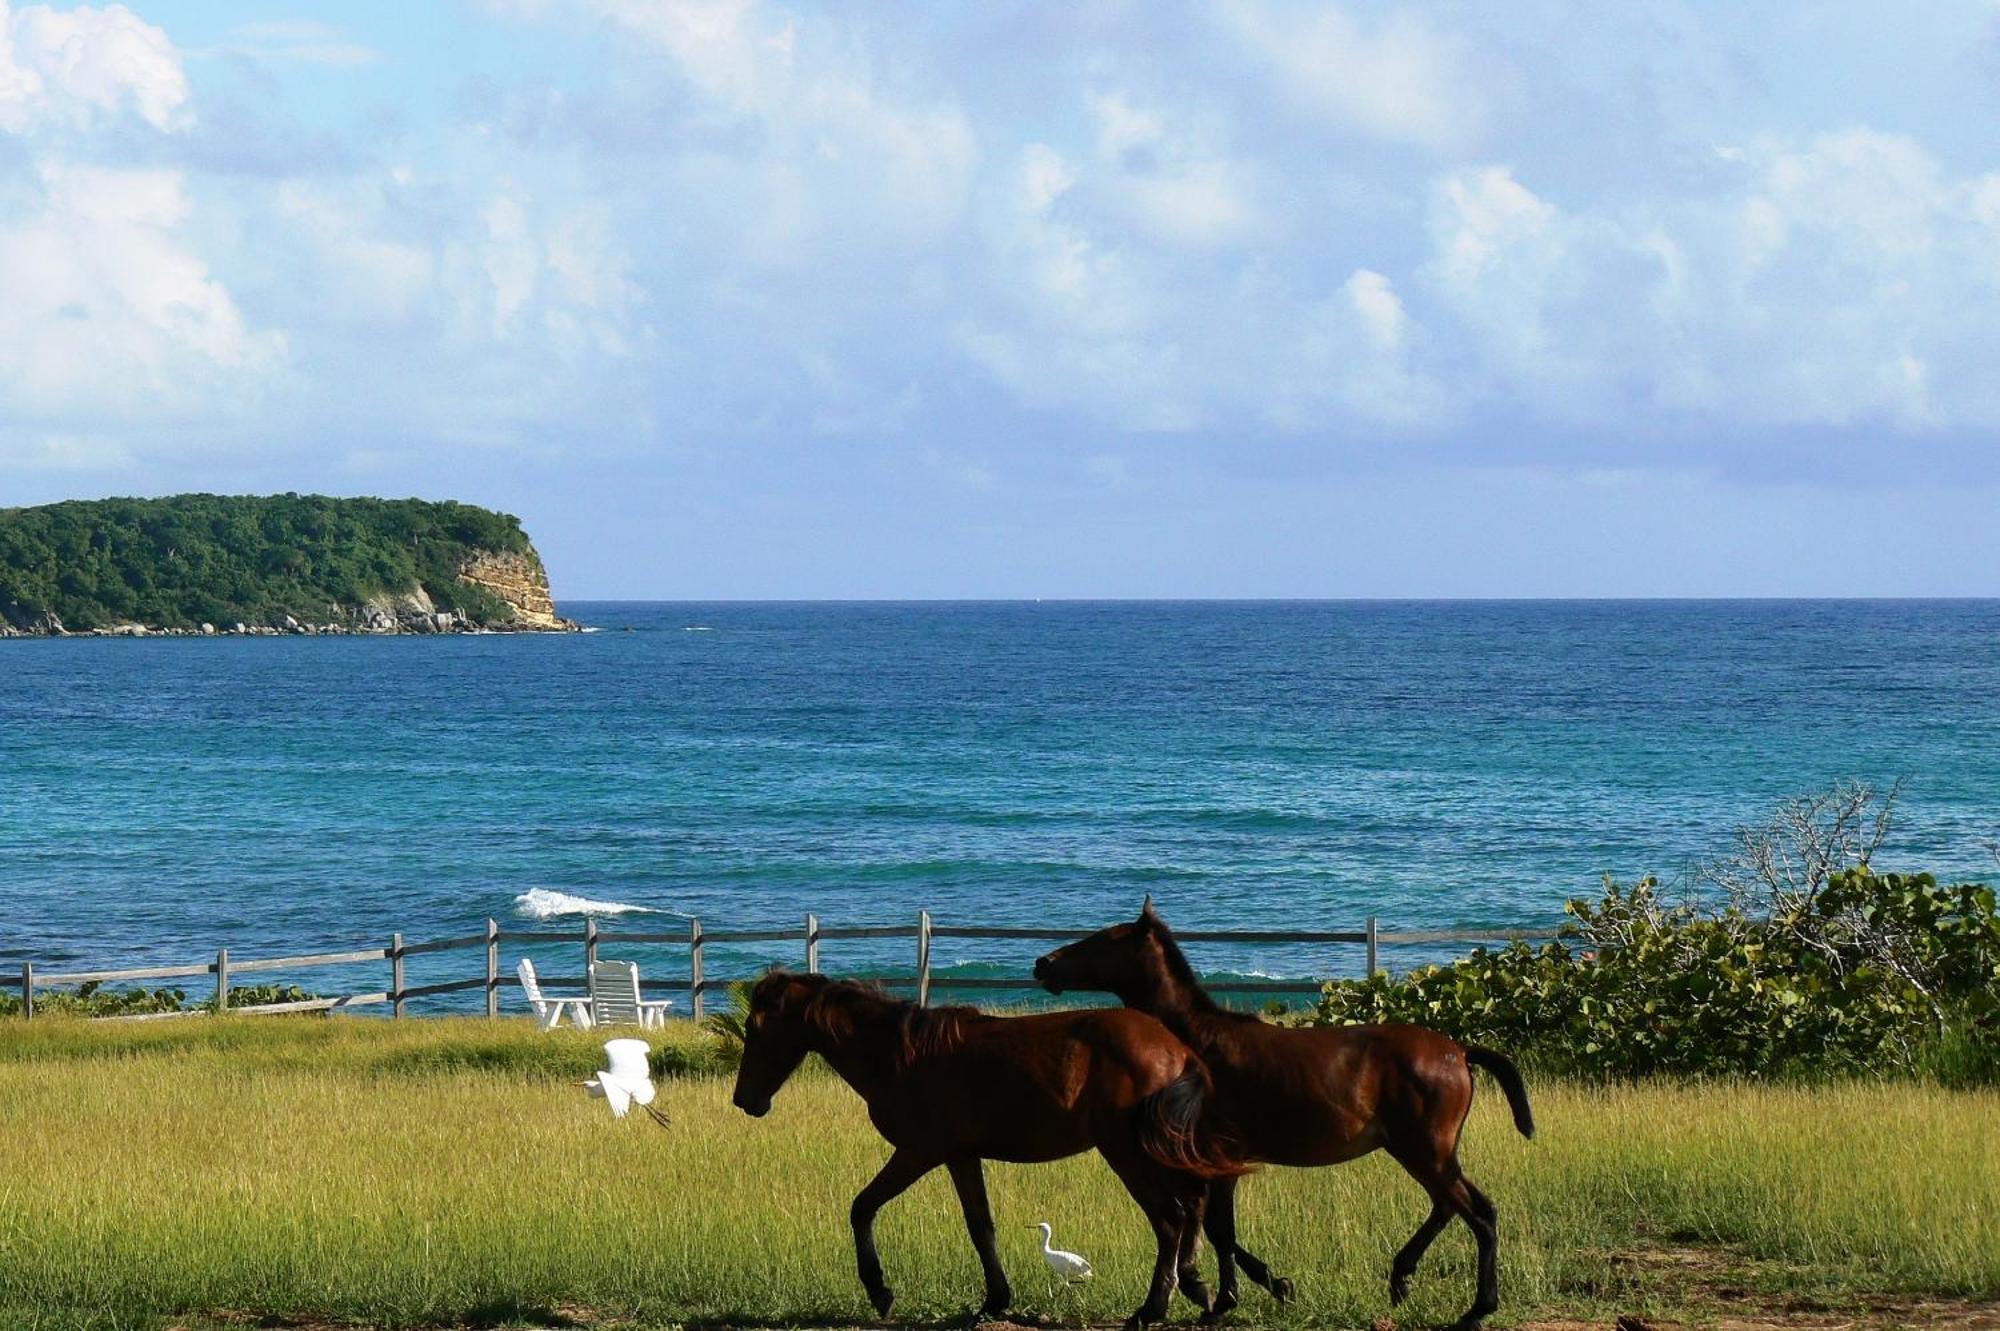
x=1402, y=79
x=110, y=316
x=1844, y=279
x=81, y=67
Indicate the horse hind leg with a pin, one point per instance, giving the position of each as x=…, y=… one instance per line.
x=1483, y=1218
x=1413, y=1252
x=1452, y=1194
x=1168, y=1216
x=969, y=1178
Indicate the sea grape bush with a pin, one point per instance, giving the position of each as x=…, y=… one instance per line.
x=1866, y=973
x=90, y=1000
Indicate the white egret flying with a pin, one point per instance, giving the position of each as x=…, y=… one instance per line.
x=626, y=1079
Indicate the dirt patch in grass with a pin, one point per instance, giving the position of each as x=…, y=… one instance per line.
x=1683, y=1287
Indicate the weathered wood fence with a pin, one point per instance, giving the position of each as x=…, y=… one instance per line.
x=698, y=983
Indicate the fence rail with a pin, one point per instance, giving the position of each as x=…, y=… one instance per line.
x=590, y=938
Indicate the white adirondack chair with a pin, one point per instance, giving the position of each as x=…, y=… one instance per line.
x=548, y=1008
x=615, y=1000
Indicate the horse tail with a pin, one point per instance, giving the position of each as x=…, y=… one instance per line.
x=1177, y=1128
x=1509, y=1077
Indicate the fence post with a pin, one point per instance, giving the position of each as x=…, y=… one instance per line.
x=396, y=973
x=492, y=968
x=923, y=958
x=221, y=980
x=1371, y=947
x=812, y=943
x=27, y=991
x=694, y=967
x=589, y=947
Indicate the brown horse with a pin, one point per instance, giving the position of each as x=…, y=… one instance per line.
x=951, y=1086
x=1310, y=1096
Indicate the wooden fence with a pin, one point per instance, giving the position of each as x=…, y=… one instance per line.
x=698, y=983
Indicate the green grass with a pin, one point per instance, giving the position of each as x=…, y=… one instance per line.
x=446, y=1171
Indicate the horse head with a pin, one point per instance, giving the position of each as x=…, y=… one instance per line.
x=1126, y=959
x=777, y=1036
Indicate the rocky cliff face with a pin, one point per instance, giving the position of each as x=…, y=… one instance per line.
x=520, y=581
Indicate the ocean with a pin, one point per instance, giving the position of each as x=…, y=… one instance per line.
x=1258, y=765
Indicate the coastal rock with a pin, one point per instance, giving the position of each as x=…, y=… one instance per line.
x=520, y=581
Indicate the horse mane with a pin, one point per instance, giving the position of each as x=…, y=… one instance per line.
x=838, y=1008
x=1181, y=972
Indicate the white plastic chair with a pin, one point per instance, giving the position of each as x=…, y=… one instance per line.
x=615, y=1000
x=548, y=1008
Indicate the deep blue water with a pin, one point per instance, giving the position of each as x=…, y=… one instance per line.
x=1274, y=764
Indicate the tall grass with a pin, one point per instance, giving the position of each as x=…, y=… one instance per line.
x=450, y=1170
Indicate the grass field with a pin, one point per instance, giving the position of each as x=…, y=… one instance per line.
x=448, y=1171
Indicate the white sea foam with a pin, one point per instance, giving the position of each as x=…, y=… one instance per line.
x=544, y=903
x=696, y=628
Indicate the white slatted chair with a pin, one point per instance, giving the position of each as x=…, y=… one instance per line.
x=549, y=1009
x=615, y=1000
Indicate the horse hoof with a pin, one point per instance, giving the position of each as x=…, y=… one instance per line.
x=884, y=1299
x=1281, y=1290
x=1399, y=1289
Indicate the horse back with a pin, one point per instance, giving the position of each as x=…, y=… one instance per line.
x=1036, y=1087
x=1320, y=1095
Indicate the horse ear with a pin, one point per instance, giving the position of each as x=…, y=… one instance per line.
x=1147, y=915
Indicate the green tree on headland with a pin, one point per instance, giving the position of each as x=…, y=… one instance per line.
x=220, y=559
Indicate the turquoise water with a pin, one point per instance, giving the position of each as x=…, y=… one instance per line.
x=1260, y=764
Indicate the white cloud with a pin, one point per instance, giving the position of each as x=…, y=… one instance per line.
x=836, y=161
x=110, y=316
x=1379, y=308
x=82, y=67
x=1844, y=279
x=1401, y=80
x=1173, y=183
x=297, y=42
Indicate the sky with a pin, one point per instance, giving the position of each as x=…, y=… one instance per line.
x=738, y=298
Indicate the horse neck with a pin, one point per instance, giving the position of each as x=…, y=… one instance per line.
x=1170, y=991
x=864, y=1055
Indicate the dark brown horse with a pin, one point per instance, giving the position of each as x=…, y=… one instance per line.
x=952, y=1087
x=1310, y=1096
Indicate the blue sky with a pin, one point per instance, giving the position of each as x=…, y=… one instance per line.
x=740, y=298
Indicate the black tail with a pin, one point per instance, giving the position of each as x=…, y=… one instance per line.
x=1177, y=1129
x=1509, y=1077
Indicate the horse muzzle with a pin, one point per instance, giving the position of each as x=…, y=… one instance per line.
x=754, y=1108
x=1044, y=973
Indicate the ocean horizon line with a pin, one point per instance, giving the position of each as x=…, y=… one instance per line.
x=1277, y=600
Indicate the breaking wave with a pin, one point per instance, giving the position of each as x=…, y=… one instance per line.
x=543, y=903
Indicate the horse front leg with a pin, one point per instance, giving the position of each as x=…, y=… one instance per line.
x=969, y=1179
x=904, y=1168
x=1230, y=1252
x=1187, y=1273
x=1221, y=1226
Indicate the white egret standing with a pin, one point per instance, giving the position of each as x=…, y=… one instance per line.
x=1067, y=1267
x=626, y=1079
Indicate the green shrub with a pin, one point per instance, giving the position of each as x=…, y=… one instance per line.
x=1860, y=973
x=92, y=1000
